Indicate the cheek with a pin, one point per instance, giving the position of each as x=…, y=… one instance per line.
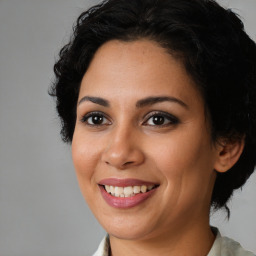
x=85, y=158
x=186, y=162
x=176, y=154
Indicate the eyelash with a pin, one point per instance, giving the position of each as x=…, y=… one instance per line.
x=93, y=114
x=172, y=120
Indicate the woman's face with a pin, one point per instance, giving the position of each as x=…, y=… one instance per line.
x=142, y=134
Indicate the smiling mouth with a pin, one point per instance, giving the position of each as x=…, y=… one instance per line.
x=128, y=191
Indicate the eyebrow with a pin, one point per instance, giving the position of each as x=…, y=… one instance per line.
x=140, y=104
x=153, y=100
x=96, y=100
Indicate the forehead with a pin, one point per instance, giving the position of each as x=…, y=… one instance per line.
x=138, y=68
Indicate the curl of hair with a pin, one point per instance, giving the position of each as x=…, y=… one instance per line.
x=211, y=43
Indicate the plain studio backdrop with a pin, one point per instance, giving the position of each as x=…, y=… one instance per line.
x=42, y=212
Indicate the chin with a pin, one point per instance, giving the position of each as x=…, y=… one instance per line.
x=128, y=230
x=129, y=234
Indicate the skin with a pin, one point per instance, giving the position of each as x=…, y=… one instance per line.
x=179, y=156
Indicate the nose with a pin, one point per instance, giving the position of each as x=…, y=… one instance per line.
x=123, y=149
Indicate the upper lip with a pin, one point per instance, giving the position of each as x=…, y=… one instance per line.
x=125, y=182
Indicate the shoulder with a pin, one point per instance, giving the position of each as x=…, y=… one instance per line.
x=233, y=248
x=224, y=246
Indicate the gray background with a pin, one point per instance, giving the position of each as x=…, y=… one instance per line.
x=41, y=209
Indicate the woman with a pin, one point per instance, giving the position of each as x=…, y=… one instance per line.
x=157, y=98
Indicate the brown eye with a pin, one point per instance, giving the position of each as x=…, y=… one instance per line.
x=158, y=120
x=161, y=119
x=95, y=119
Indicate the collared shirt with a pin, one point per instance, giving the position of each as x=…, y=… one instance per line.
x=222, y=246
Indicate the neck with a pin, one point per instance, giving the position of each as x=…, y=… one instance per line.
x=194, y=240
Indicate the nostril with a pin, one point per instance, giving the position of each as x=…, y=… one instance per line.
x=122, y=159
x=127, y=163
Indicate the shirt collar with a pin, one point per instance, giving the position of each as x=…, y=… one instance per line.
x=221, y=246
x=104, y=247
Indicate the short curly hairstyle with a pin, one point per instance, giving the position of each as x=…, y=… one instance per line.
x=211, y=43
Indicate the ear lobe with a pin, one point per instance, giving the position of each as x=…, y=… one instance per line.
x=228, y=154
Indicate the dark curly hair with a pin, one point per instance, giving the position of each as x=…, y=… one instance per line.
x=211, y=43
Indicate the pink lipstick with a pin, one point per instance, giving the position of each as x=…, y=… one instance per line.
x=126, y=193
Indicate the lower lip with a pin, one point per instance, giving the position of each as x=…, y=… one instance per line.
x=125, y=202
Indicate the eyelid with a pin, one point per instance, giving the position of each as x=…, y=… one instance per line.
x=86, y=116
x=173, y=120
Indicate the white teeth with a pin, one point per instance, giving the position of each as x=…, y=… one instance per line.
x=127, y=191
x=136, y=189
x=119, y=191
x=107, y=187
x=150, y=187
x=143, y=189
x=112, y=190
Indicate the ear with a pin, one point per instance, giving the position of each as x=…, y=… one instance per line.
x=228, y=154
